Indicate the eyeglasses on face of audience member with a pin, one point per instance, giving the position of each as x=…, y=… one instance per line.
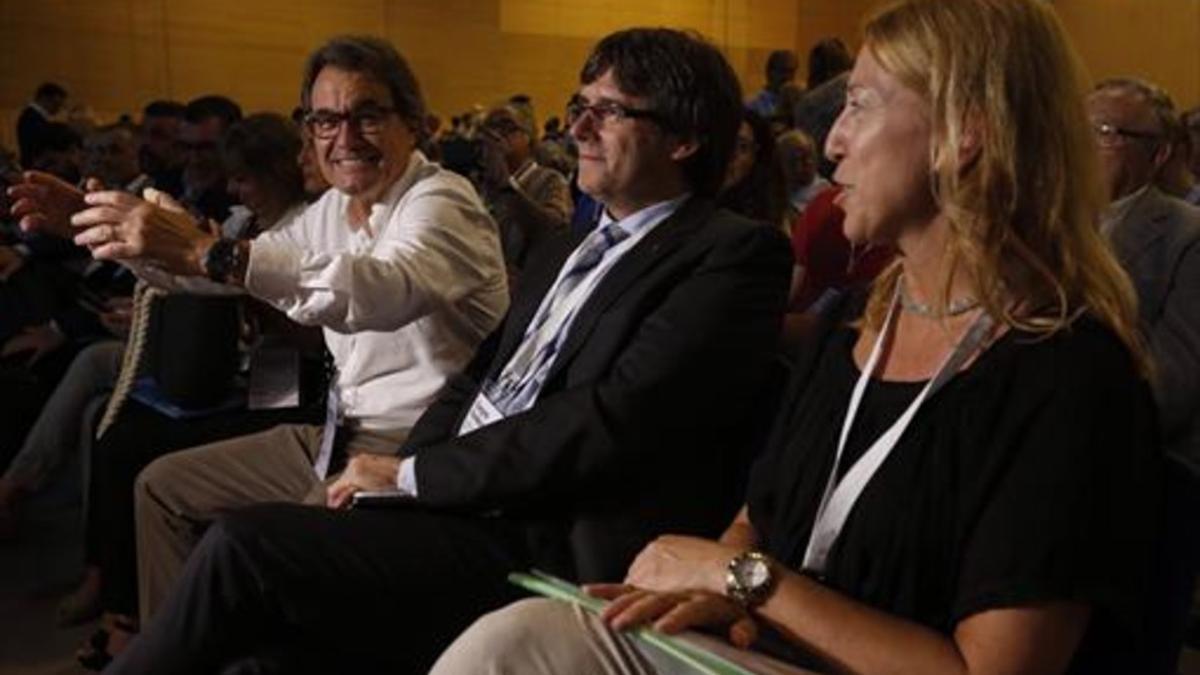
x=369, y=119
x=1111, y=135
x=603, y=111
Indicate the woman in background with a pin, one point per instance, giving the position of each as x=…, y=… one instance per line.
x=754, y=183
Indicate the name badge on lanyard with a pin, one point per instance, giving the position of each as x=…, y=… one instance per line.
x=840, y=496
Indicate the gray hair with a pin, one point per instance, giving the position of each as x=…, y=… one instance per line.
x=376, y=58
x=1161, y=103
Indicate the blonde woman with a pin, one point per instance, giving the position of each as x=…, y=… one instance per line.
x=964, y=479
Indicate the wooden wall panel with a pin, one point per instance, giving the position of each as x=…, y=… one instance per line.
x=1157, y=40
x=115, y=55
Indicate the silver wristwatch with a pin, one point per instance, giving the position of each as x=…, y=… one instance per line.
x=749, y=578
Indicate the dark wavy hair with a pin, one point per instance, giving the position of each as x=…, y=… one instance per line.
x=374, y=57
x=760, y=194
x=266, y=145
x=687, y=82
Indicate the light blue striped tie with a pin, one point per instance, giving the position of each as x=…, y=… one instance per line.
x=521, y=379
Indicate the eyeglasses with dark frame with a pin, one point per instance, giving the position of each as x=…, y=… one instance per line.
x=369, y=119
x=1109, y=135
x=603, y=111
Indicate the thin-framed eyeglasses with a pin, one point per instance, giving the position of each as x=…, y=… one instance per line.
x=1111, y=135
x=368, y=120
x=603, y=111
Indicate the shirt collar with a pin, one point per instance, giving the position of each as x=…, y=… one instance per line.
x=646, y=217
x=41, y=111
x=383, y=207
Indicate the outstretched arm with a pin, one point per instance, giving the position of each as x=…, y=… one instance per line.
x=45, y=204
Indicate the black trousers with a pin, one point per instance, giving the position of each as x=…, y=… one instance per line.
x=356, y=591
x=139, y=436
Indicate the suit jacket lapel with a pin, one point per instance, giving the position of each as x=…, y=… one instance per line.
x=666, y=237
x=1136, y=232
x=534, y=286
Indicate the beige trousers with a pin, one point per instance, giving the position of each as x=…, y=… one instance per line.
x=178, y=495
x=538, y=636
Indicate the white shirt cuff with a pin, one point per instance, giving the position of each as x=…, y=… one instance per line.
x=406, y=477
x=272, y=269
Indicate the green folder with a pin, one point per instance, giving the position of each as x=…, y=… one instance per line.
x=698, y=658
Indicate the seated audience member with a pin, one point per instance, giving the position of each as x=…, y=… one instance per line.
x=826, y=259
x=399, y=264
x=815, y=113
x=583, y=428
x=780, y=71
x=160, y=152
x=261, y=158
x=753, y=185
x=826, y=60
x=1157, y=239
x=205, y=121
x=555, y=149
x=964, y=479
x=797, y=157
x=54, y=301
x=34, y=121
x=110, y=155
x=63, y=427
x=60, y=153
x=1191, y=124
x=1175, y=177
x=530, y=202
x=315, y=184
x=261, y=155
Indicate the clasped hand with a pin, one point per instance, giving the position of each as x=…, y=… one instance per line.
x=364, y=471
x=674, y=611
x=674, y=584
x=119, y=226
x=113, y=225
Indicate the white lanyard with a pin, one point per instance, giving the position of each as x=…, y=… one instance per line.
x=839, y=497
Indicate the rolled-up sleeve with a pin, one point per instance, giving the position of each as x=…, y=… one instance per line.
x=435, y=247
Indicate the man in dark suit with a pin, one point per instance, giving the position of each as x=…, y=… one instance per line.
x=609, y=407
x=1157, y=239
x=34, y=121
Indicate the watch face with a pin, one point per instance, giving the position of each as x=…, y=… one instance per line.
x=753, y=572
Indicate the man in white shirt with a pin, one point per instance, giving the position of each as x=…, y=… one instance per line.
x=399, y=263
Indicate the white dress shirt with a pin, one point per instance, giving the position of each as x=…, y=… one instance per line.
x=403, y=302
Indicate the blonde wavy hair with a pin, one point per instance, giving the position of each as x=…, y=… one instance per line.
x=1023, y=213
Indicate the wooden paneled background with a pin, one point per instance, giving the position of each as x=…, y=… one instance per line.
x=115, y=55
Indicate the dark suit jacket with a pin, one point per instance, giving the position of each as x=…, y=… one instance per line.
x=637, y=429
x=31, y=133
x=1158, y=243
